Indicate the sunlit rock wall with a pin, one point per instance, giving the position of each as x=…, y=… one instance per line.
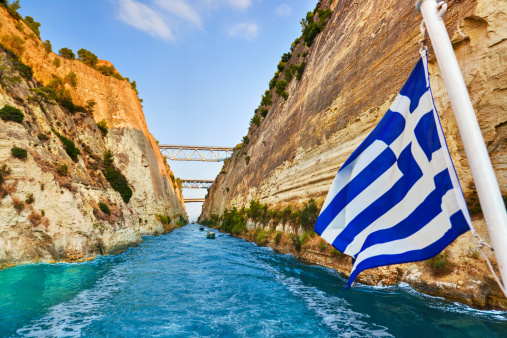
x=63, y=221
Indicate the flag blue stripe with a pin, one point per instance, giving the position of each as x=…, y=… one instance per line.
x=421, y=216
x=415, y=87
x=374, y=170
x=426, y=135
x=411, y=174
x=389, y=129
x=459, y=227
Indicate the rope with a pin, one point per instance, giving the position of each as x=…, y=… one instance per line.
x=479, y=244
x=459, y=20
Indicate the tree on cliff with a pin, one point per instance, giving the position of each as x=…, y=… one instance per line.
x=67, y=53
x=33, y=25
x=87, y=57
x=12, y=8
x=47, y=46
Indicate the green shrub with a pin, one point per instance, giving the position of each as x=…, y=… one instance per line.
x=119, y=183
x=272, y=82
x=66, y=53
x=300, y=70
x=278, y=237
x=104, y=208
x=9, y=113
x=70, y=147
x=245, y=140
x=62, y=169
x=19, y=153
x=247, y=159
x=47, y=46
x=57, y=62
x=264, y=112
x=256, y=120
x=181, y=222
x=312, y=28
x=33, y=25
x=294, y=44
x=266, y=98
x=179, y=183
x=42, y=137
x=87, y=57
x=322, y=246
x=296, y=242
x=13, y=9
x=103, y=127
x=106, y=70
x=14, y=43
x=67, y=103
x=307, y=215
x=71, y=78
x=335, y=252
x=280, y=89
x=17, y=44
x=440, y=265
x=108, y=158
x=90, y=105
x=304, y=238
x=164, y=219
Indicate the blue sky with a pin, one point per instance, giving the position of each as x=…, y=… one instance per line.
x=201, y=66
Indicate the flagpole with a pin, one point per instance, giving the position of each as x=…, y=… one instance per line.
x=477, y=154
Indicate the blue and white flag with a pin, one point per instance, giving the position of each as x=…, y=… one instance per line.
x=397, y=198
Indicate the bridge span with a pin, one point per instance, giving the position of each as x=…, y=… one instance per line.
x=196, y=184
x=195, y=153
x=193, y=200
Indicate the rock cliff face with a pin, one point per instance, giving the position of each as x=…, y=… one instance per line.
x=50, y=205
x=354, y=69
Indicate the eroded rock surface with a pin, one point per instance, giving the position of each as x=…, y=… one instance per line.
x=47, y=214
x=355, y=68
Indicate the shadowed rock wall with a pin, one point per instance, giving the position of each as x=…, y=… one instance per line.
x=355, y=68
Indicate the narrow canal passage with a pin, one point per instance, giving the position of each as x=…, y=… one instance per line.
x=184, y=285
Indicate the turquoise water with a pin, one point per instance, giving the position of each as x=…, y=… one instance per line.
x=183, y=285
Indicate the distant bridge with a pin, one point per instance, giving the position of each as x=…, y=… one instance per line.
x=195, y=153
x=197, y=184
x=193, y=200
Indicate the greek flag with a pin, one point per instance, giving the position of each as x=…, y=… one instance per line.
x=397, y=198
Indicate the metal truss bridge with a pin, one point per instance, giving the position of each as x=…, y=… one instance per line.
x=197, y=184
x=195, y=153
x=192, y=200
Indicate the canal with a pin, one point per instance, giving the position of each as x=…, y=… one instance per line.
x=184, y=285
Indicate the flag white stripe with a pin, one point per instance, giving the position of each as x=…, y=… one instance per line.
x=361, y=202
x=460, y=199
x=400, y=211
x=353, y=169
x=426, y=236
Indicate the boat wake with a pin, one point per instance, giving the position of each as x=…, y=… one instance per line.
x=68, y=319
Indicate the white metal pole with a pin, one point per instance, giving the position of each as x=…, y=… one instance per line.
x=477, y=154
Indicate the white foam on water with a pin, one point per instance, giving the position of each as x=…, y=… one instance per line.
x=334, y=311
x=70, y=318
x=442, y=304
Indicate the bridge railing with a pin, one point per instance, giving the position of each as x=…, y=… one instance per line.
x=196, y=184
x=195, y=153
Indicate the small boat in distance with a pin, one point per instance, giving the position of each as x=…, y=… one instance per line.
x=201, y=228
x=210, y=234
